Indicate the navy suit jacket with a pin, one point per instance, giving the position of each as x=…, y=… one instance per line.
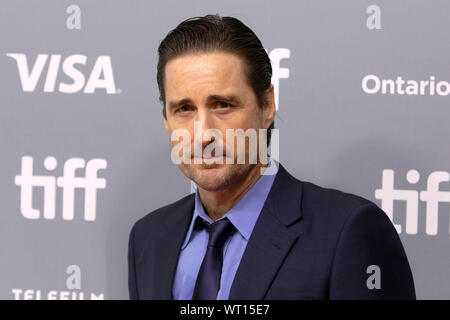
x=309, y=242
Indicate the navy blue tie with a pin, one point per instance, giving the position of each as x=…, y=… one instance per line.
x=208, y=279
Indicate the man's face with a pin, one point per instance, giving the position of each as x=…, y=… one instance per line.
x=211, y=88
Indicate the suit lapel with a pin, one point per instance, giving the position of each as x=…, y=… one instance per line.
x=167, y=249
x=270, y=241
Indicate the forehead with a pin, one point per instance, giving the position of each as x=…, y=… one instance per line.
x=197, y=73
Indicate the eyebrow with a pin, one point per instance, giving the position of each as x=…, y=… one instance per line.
x=232, y=98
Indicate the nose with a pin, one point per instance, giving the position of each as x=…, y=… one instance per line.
x=202, y=123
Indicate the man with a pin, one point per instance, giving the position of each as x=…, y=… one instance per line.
x=246, y=234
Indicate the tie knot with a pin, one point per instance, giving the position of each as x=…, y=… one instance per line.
x=218, y=232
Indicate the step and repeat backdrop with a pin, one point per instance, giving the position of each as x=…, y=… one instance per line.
x=363, y=99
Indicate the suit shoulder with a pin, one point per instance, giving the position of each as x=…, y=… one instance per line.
x=313, y=190
x=333, y=203
x=157, y=217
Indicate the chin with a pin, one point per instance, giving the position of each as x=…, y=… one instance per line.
x=213, y=177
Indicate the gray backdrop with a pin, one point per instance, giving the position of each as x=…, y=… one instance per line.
x=104, y=114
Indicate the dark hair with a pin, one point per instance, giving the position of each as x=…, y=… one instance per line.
x=215, y=33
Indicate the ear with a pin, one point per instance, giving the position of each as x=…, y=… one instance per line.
x=269, y=110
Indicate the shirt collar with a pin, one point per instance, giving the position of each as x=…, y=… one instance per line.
x=245, y=212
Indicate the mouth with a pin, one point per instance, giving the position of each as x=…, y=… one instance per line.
x=209, y=160
x=209, y=157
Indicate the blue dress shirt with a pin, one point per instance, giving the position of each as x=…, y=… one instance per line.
x=243, y=216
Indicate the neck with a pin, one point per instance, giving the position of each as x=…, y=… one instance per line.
x=218, y=203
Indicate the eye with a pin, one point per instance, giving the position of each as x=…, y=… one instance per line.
x=223, y=105
x=184, y=108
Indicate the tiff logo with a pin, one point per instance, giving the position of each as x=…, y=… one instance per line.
x=432, y=196
x=68, y=182
x=275, y=56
